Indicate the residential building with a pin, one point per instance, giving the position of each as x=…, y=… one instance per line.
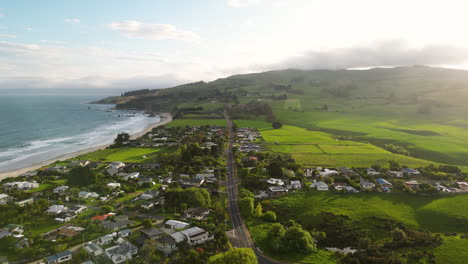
x=166, y=244
x=125, y=233
x=93, y=249
x=106, y=239
x=133, y=175
x=196, y=235
x=56, y=209
x=412, y=184
x=20, y=186
x=113, y=185
x=4, y=198
x=198, y=214
x=274, y=181
x=410, y=171
x=397, y=174
x=117, y=225
x=122, y=252
x=339, y=186
x=61, y=190
x=320, y=186
x=25, y=202
x=351, y=189
x=328, y=173
x=372, y=172
x=148, y=195
x=386, y=185
x=87, y=195
x=276, y=190
x=59, y=258
x=176, y=225
x=296, y=185
x=77, y=209
x=367, y=185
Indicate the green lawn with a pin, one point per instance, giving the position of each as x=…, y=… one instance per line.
x=120, y=154
x=454, y=250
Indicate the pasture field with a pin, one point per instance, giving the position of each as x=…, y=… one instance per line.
x=314, y=148
x=120, y=154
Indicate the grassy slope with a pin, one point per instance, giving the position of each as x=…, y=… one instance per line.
x=438, y=214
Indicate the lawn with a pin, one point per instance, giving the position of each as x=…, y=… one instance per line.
x=454, y=250
x=120, y=154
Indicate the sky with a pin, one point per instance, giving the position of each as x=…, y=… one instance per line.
x=155, y=44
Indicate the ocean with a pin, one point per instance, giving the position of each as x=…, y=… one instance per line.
x=38, y=128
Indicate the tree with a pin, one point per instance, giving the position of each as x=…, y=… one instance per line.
x=121, y=138
x=82, y=176
x=147, y=223
x=105, y=209
x=275, y=169
x=245, y=193
x=234, y=256
x=258, y=210
x=247, y=206
x=364, y=243
x=394, y=165
x=297, y=239
x=269, y=216
x=276, y=125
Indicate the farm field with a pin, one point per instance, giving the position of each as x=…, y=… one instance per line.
x=119, y=154
x=314, y=148
x=196, y=122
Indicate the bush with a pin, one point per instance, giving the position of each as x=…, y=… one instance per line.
x=277, y=125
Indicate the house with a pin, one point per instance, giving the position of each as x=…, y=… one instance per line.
x=150, y=166
x=125, y=233
x=29, y=174
x=117, y=225
x=117, y=164
x=113, y=185
x=367, y=185
x=102, y=217
x=412, y=184
x=151, y=233
x=166, y=244
x=20, y=186
x=4, y=198
x=196, y=235
x=197, y=214
x=59, y=258
x=77, y=209
x=79, y=163
x=56, y=169
x=87, y=195
x=397, y=174
x=345, y=171
x=410, y=171
x=133, y=175
x=320, y=186
x=122, y=252
x=372, y=172
x=4, y=233
x=176, y=225
x=92, y=165
x=93, y=249
x=148, y=195
x=328, y=173
x=274, y=181
x=113, y=170
x=296, y=185
x=14, y=229
x=188, y=183
x=178, y=237
x=25, y=202
x=56, y=209
x=384, y=183
x=106, y=239
x=463, y=186
x=339, y=186
x=147, y=205
x=70, y=231
x=276, y=190
x=167, y=180
x=61, y=190
x=143, y=181
x=351, y=189
x=442, y=188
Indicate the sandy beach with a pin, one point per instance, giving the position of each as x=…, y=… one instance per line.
x=165, y=119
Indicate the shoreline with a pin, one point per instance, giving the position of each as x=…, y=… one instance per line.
x=165, y=118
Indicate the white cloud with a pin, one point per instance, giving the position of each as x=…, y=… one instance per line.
x=7, y=36
x=52, y=41
x=243, y=3
x=248, y=22
x=136, y=29
x=2, y=15
x=28, y=28
x=72, y=20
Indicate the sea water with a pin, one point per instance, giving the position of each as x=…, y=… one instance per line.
x=38, y=128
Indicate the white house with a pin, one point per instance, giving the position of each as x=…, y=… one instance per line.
x=196, y=235
x=93, y=249
x=4, y=198
x=61, y=189
x=106, y=239
x=367, y=185
x=275, y=182
x=86, y=195
x=176, y=225
x=59, y=258
x=296, y=184
x=113, y=185
x=320, y=186
x=327, y=173
x=122, y=252
x=56, y=209
x=132, y=175
x=21, y=186
x=372, y=172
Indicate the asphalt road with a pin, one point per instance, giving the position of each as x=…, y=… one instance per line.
x=241, y=236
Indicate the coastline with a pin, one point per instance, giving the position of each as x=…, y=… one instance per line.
x=165, y=118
